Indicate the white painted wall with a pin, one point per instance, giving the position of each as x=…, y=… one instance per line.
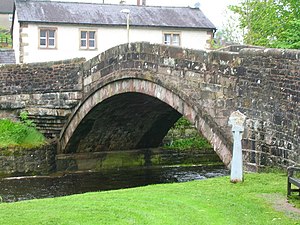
x=16, y=38
x=68, y=39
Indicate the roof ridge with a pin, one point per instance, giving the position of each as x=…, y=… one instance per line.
x=108, y=4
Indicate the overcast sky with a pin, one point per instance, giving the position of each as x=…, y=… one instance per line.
x=213, y=9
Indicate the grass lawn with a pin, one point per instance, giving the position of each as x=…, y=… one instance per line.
x=212, y=201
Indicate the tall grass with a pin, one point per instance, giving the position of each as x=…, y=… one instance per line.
x=19, y=134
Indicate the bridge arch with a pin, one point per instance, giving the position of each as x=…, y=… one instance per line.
x=151, y=106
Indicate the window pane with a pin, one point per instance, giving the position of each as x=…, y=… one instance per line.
x=42, y=33
x=51, y=33
x=83, y=43
x=167, y=39
x=91, y=43
x=83, y=34
x=42, y=42
x=92, y=34
x=51, y=42
x=176, y=39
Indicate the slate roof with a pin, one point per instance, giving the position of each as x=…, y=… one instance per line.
x=110, y=15
x=6, y=6
x=7, y=56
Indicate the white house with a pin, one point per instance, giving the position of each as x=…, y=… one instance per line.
x=47, y=30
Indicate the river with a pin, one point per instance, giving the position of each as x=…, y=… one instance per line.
x=24, y=188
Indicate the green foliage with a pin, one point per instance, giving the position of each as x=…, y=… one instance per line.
x=5, y=38
x=194, y=142
x=24, y=119
x=213, y=201
x=189, y=143
x=21, y=134
x=11, y=133
x=182, y=123
x=270, y=23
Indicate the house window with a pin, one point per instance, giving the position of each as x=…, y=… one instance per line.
x=172, y=39
x=87, y=39
x=47, y=38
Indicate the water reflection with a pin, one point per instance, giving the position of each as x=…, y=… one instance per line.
x=18, y=189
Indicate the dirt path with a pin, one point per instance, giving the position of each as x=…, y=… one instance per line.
x=281, y=204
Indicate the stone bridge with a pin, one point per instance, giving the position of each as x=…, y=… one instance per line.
x=129, y=96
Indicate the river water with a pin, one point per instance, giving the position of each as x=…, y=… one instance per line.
x=24, y=188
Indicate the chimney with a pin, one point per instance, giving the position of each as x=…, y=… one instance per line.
x=144, y=2
x=138, y=2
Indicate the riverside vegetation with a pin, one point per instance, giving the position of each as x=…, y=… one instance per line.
x=20, y=134
x=183, y=136
x=260, y=199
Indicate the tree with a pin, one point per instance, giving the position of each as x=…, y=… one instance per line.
x=230, y=33
x=270, y=23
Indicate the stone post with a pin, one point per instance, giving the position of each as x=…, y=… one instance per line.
x=237, y=120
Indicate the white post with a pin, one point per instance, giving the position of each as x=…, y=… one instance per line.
x=128, y=28
x=127, y=12
x=236, y=120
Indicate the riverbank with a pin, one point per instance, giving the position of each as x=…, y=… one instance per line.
x=211, y=201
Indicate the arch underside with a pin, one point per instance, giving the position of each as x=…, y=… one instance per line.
x=122, y=122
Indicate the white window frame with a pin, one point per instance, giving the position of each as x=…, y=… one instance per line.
x=87, y=39
x=172, y=34
x=47, y=38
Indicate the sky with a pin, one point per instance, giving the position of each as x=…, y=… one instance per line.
x=213, y=9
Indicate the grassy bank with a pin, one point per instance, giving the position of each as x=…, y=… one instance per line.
x=20, y=134
x=212, y=201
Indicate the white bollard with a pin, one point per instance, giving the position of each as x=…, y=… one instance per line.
x=237, y=120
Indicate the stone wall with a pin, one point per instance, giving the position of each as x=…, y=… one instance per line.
x=35, y=78
x=36, y=161
x=269, y=94
x=47, y=91
x=97, y=161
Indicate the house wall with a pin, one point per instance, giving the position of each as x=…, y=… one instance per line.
x=68, y=39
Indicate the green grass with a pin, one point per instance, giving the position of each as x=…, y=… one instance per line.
x=212, y=201
x=189, y=143
x=18, y=134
